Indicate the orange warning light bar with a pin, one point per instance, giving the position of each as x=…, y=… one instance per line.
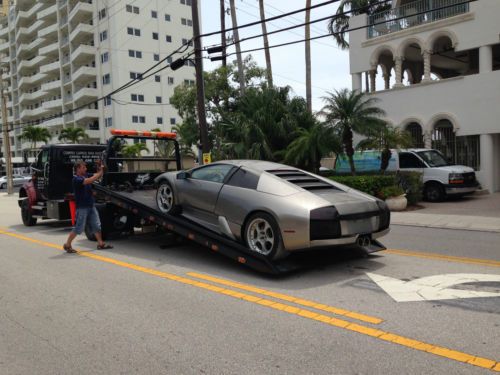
x=150, y=134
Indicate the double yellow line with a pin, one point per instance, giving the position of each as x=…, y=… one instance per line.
x=220, y=286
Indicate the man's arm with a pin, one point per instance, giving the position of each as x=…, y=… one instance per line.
x=95, y=177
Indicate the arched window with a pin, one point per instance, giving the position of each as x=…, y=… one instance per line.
x=413, y=63
x=444, y=140
x=417, y=136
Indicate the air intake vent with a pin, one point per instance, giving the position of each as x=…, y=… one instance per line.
x=302, y=179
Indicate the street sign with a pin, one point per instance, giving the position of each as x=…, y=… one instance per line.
x=207, y=158
x=433, y=288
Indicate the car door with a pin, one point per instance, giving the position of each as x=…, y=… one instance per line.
x=198, y=193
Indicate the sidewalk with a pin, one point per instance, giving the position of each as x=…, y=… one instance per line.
x=477, y=212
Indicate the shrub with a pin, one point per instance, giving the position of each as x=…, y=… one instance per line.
x=370, y=184
x=412, y=184
x=391, y=191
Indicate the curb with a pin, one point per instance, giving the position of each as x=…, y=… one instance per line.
x=446, y=227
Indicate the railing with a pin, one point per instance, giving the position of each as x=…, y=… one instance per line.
x=413, y=14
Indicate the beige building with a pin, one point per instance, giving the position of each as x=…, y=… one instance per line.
x=435, y=66
x=60, y=55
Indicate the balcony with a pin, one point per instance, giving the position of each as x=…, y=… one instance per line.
x=52, y=104
x=51, y=86
x=26, y=81
x=58, y=121
x=50, y=50
x=84, y=74
x=29, y=64
x=93, y=133
x=413, y=14
x=51, y=68
x=82, y=53
x=81, y=12
x=32, y=96
x=85, y=95
x=82, y=32
x=5, y=60
x=49, y=32
x=36, y=44
x=34, y=27
x=4, y=47
x=86, y=114
x=48, y=13
x=22, y=33
x=4, y=31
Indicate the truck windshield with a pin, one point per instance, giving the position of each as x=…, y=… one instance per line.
x=433, y=158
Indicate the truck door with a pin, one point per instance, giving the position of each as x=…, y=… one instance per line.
x=41, y=172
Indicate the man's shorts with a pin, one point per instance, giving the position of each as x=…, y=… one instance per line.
x=87, y=216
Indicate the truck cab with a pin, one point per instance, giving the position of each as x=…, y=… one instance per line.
x=46, y=194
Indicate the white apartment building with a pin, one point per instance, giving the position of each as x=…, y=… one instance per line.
x=60, y=55
x=435, y=66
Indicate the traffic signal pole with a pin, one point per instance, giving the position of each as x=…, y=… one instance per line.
x=200, y=89
x=6, y=138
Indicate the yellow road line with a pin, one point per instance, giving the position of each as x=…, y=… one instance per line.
x=379, y=334
x=449, y=258
x=284, y=297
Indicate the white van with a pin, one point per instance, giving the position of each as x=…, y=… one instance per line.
x=440, y=178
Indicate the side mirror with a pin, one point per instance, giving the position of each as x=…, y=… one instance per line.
x=183, y=175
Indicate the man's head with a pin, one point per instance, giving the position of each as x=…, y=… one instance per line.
x=80, y=168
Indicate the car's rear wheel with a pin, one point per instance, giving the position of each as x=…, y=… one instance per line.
x=434, y=192
x=165, y=199
x=262, y=235
x=26, y=214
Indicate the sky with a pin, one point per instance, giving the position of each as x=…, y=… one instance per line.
x=330, y=65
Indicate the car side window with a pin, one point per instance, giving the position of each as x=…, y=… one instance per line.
x=244, y=179
x=213, y=173
x=407, y=160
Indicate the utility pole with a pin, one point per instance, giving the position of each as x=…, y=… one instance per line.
x=236, y=37
x=200, y=88
x=6, y=138
x=223, y=33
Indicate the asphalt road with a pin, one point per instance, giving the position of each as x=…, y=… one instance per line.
x=141, y=308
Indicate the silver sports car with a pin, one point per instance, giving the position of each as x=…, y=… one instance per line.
x=272, y=208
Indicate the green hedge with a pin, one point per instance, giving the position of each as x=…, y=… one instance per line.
x=374, y=184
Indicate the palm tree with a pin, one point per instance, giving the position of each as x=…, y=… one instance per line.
x=35, y=134
x=311, y=145
x=338, y=25
x=350, y=111
x=236, y=38
x=134, y=151
x=269, y=72
x=73, y=135
x=386, y=138
x=308, y=56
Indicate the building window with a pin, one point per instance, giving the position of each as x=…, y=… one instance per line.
x=189, y=82
x=137, y=98
x=154, y=14
x=156, y=57
x=158, y=99
x=157, y=78
x=159, y=120
x=104, y=57
x=132, y=31
x=167, y=17
x=172, y=120
x=137, y=54
x=169, y=59
x=170, y=80
x=142, y=119
x=108, y=122
x=135, y=119
x=169, y=39
x=102, y=13
x=155, y=36
x=187, y=41
x=103, y=35
x=106, y=79
x=107, y=101
x=132, y=9
x=186, y=2
x=134, y=75
x=183, y=21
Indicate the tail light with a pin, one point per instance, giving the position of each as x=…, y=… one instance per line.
x=324, y=224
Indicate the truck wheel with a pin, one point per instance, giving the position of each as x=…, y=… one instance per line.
x=262, y=235
x=165, y=199
x=90, y=236
x=3, y=186
x=434, y=192
x=26, y=214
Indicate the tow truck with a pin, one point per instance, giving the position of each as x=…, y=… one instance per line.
x=125, y=195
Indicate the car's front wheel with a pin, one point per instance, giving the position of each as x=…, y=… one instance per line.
x=165, y=199
x=262, y=235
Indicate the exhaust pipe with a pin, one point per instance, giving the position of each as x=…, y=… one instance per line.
x=363, y=241
x=369, y=245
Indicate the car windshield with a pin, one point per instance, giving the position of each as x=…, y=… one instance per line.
x=433, y=158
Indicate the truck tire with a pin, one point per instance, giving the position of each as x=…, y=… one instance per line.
x=434, y=192
x=26, y=214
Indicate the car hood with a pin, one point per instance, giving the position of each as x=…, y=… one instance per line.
x=455, y=169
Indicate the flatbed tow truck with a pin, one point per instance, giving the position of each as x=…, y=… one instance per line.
x=126, y=198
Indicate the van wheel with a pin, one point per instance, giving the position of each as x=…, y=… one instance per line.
x=434, y=192
x=26, y=214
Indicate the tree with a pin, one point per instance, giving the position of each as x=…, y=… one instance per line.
x=73, y=135
x=338, y=25
x=269, y=70
x=134, y=151
x=308, y=56
x=35, y=134
x=350, y=111
x=386, y=138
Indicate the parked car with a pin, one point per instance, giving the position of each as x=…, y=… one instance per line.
x=440, y=178
x=272, y=208
x=17, y=180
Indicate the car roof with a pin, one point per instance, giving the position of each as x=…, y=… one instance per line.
x=256, y=165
